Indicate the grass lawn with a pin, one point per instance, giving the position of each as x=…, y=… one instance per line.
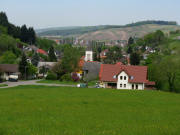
x=92, y=83
x=3, y=85
x=41, y=110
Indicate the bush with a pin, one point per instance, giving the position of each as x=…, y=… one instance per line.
x=51, y=76
x=66, y=77
x=75, y=77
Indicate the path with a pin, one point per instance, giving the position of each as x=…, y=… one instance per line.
x=32, y=82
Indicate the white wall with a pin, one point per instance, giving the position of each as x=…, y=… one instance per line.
x=89, y=56
x=119, y=82
x=125, y=82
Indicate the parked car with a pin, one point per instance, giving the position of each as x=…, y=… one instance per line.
x=98, y=86
x=82, y=85
x=13, y=78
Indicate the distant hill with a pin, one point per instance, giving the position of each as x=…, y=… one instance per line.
x=110, y=32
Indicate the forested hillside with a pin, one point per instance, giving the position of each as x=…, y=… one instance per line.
x=14, y=38
x=108, y=32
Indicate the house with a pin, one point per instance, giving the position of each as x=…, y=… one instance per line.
x=45, y=66
x=121, y=76
x=89, y=56
x=48, y=65
x=30, y=48
x=9, y=69
x=91, y=70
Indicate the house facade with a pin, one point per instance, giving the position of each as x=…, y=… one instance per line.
x=91, y=70
x=9, y=69
x=121, y=76
x=89, y=56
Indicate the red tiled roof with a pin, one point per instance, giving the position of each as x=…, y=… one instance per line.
x=139, y=73
x=41, y=51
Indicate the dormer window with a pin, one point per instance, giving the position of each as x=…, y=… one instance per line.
x=132, y=77
x=114, y=76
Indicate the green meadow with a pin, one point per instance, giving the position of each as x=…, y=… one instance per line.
x=41, y=110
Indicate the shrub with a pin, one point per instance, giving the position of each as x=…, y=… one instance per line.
x=51, y=76
x=75, y=77
x=66, y=77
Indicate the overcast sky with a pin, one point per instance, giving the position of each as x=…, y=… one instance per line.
x=58, y=13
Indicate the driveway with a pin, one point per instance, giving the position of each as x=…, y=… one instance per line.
x=33, y=82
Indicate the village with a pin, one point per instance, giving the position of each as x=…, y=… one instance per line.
x=116, y=76
x=89, y=67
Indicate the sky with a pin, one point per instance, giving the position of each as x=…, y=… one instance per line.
x=60, y=13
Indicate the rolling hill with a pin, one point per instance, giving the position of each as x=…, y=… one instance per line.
x=109, y=32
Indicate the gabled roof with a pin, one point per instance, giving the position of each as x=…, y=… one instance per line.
x=137, y=74
x=12, y=68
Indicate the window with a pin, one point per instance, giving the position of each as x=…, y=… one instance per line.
x=121, y=85
x=124, y=77
x=124, y=85
x=121, y=77
x=132, y=77
x=133, y=86
x=137, y=86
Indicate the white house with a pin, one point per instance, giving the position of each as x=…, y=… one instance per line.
x=121, y=76
x=89, y=56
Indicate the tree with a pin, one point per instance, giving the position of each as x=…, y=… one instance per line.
x=113, y=56
x=23, y=66
x=43, y=70
x=24, y=34
x=170, y=69
x=3, y=30
x=3, y=19
x=165, y=71
x=8, y=58
x=52, y=56
x=58, y=70
x=35, y=59
x=70, y=59
x=44, y=44
x=95, y=56
x=154, y=39
x=129, y=50
x=130, y=41
x=31, y=70
x=31, y=35
x=134, y=59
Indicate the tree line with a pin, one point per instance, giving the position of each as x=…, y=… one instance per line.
x=23, y=33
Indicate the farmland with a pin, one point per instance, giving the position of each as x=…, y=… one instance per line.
x=42, y=110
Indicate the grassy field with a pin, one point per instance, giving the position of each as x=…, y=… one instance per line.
x=3, y=85
x=40, y=110
x=92, y=83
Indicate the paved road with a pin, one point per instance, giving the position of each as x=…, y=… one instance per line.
x=32, y=82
